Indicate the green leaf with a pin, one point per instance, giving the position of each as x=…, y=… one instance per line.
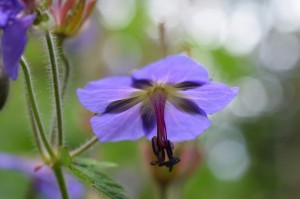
x=65, y=157
x=93, y=164
x=103, y=184
x=80, y=174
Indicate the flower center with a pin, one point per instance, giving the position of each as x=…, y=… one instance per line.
x=160, y=144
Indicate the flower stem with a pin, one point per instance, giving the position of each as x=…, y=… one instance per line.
x=34, y=107
x=67, y=72
x=162, y=191
x=84, y=147
x=63, y=58
x=37, y=136
x=57, y=93
x=61, y=181
x=162, y=39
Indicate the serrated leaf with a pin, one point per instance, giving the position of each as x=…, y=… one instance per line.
x=93, y=164
x=82, y=176
x=104, y=185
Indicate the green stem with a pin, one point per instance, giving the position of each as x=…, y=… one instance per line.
x=84, y=147
x=162, y=191
x=37, y=137
x=176, y=189
x=162, y=39
x=67, y=71
x=34, y=107
x=57, y=93
x=63, y=58
x=61, y=181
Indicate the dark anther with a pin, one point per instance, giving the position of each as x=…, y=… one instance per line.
x=161, y=151
x=155, y=147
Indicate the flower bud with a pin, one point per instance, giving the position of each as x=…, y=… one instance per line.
x=161, y=175
x=70, y=15
x=191, y=159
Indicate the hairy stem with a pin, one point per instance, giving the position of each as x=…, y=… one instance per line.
x=66, y=63
x=67, y=72
x=56, y=86
x=84, y=147
x=37, y=136
x=61, y=181
x=35, y=110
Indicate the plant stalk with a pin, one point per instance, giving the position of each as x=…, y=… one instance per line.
x=61, y=181
x=67, y=72
x=35, y=110
x=84, y=147
x=56, y=87
x=37, y=136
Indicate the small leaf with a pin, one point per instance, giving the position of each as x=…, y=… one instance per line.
x=103, y=184
x=93, y=164
x=65, y=157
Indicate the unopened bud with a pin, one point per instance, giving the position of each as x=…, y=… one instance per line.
x=71, y=15
x=191, y=158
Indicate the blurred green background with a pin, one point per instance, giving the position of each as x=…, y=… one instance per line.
x=252, y=149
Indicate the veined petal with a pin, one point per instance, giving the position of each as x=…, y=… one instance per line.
x=148, y=118
x=109, y=83
x=14, y=40
x=182, y=126
x=173, y=69
x=97, y=95
x=116, y=127
x=121, y=105
x=186, y=105
x=212, y=97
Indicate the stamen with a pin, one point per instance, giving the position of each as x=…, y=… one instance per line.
x=160, y=151
x=160, y=144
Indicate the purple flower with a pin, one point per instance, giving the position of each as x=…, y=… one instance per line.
x=44, y=182
x=165, y=101
x=14, y=36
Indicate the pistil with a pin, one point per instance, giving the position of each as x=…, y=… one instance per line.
x=160, y=144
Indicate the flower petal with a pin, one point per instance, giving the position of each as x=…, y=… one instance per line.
x=46, y=185
x=173, y=69
x=44, y=180
x=8, y=10
x=97, y=95
x=11, y=162
x=212, y=97
x=116, y=127
x=182, y=126
x=14, y=40
x=148, y=118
